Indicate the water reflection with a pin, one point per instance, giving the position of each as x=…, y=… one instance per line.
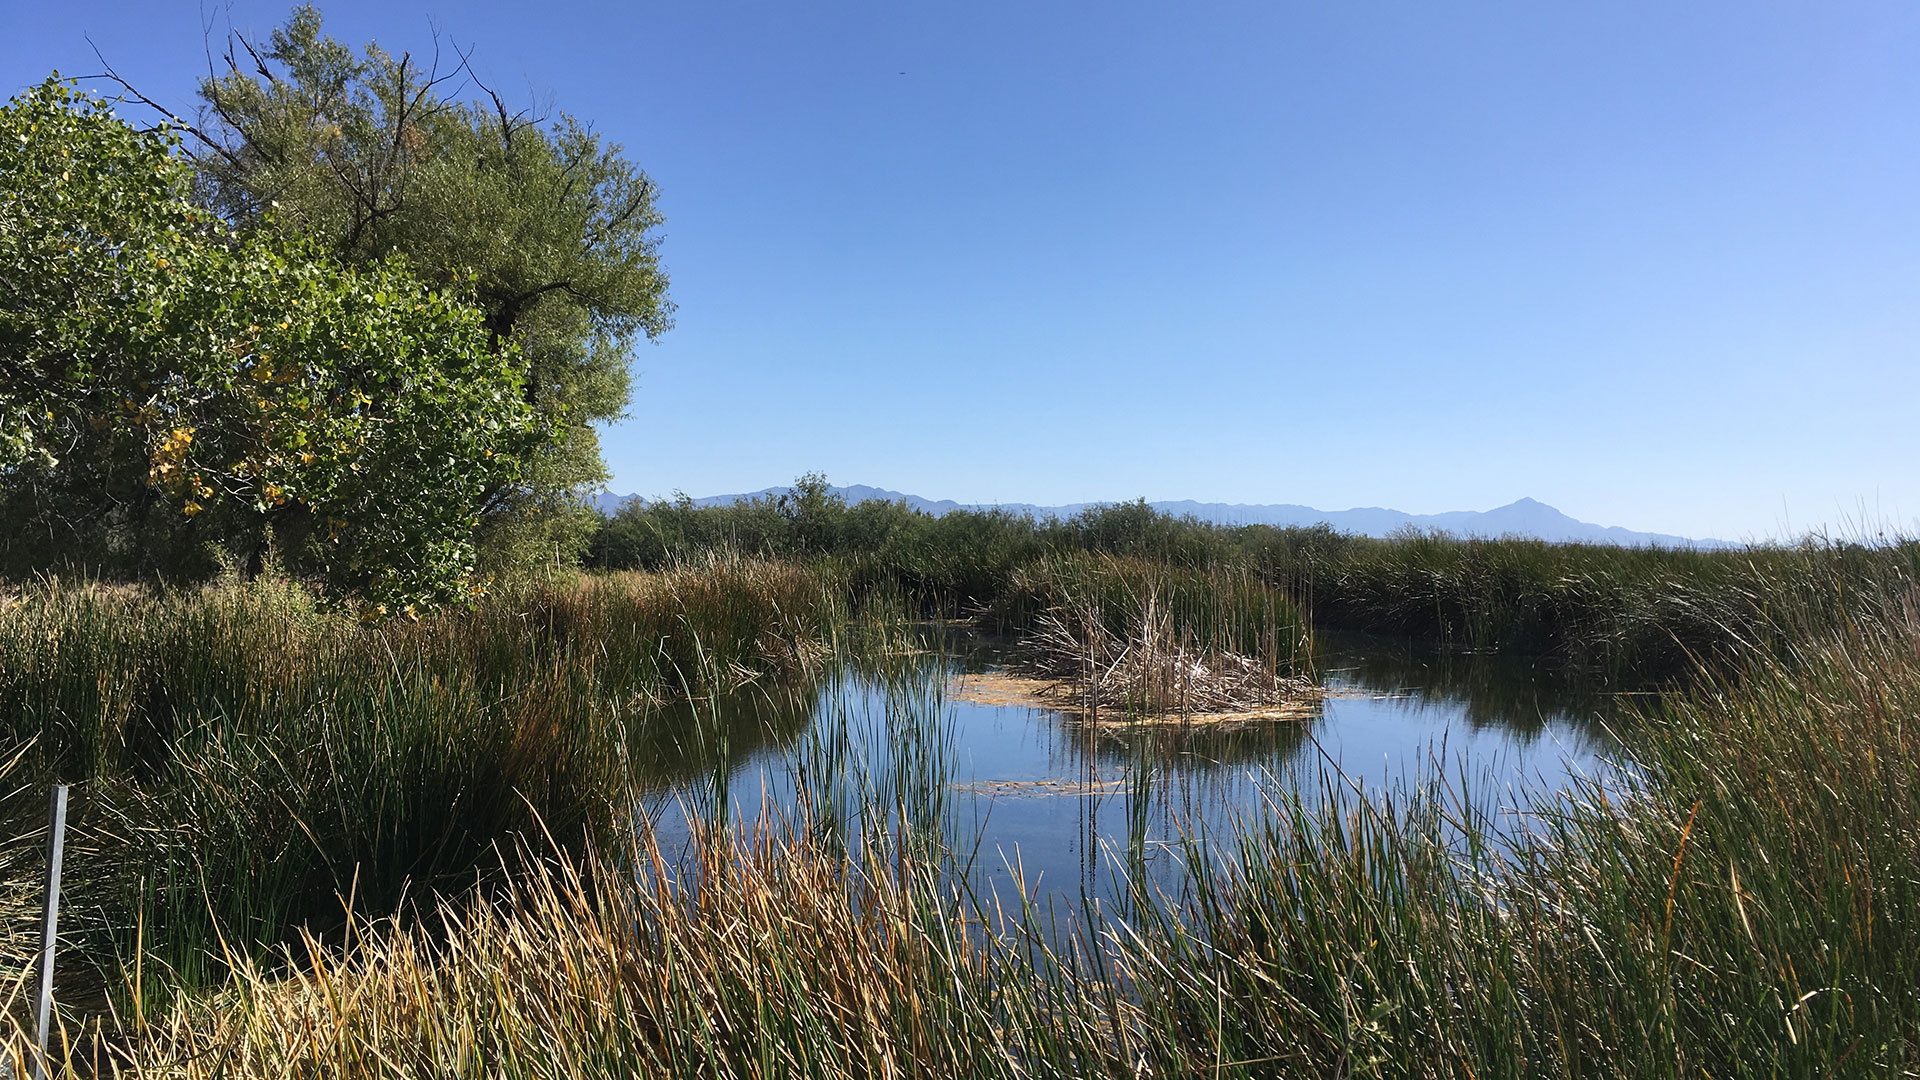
x=1038, y=803
x=686, y=741
x=1520, y=697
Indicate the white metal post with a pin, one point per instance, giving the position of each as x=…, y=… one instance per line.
x=51, y=931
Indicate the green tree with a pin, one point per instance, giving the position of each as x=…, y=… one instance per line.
x=814, y=513
x=177, y=383
x=551, y=229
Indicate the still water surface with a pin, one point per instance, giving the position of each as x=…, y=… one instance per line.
x=1035, y=802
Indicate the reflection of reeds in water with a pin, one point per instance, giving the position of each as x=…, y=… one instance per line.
x=1522, y=697
x=1747, y=908
x=241, y=755
x=1149, y=639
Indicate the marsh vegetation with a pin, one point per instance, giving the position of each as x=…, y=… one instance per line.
x=389, y=758
x=721, y=817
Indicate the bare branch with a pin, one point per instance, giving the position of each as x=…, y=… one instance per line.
x=508, y=124
x=190, y=129
x=259, y=64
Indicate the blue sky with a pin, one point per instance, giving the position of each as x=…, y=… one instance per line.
x=1655, y=264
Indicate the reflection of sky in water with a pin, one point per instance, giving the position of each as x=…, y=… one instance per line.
x=1072, y=808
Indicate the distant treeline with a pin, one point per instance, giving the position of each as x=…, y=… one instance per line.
x=1648, y=612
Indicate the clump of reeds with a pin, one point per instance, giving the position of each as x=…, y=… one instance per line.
x=782, y=961
x=1146, y=638
x=1742, y=901
x=243, y=758
x=1643, y=615
x=23, y=807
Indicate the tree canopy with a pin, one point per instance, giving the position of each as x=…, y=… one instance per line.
x=169, y=382
x=549, y=228
x=353, y=316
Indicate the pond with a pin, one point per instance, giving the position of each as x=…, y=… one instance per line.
x=1040, y=804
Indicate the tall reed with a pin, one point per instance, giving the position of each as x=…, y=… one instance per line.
x=1740, y=900
x=1152, y=638
x=1743, y=903
x=784, y=964
x=244, y=760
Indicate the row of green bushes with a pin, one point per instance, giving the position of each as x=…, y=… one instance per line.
x=1645, y=613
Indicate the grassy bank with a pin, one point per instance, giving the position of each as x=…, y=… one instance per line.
x=1622, y=614
x=1749, y=909
x=251, y=818
x=243, y=760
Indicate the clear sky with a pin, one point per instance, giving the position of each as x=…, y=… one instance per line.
x=1656, y=264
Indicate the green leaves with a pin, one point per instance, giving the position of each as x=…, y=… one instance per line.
x=245, y=381
x=235, y=348
x=545, y=225
x=66, y=164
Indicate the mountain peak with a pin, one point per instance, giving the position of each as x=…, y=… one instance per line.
x=1525, y=516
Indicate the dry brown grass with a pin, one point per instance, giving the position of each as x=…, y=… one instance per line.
x=1006, y=689
x=1158, y=669
x=782, y=962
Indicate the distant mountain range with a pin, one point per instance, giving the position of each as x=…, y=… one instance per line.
x=1525, y=517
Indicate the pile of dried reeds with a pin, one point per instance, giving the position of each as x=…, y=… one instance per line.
x=1146, y=645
